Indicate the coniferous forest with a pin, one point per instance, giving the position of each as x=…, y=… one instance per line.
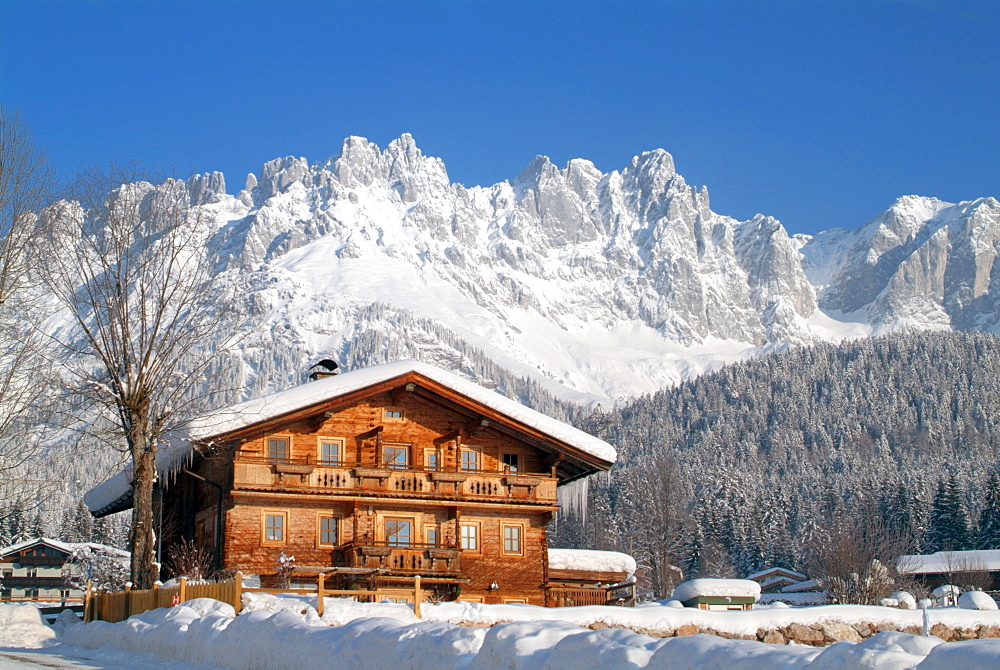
x=766, y=462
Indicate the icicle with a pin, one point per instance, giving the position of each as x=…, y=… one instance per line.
x=573, y=498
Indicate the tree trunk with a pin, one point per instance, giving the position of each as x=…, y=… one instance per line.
x=144, y=570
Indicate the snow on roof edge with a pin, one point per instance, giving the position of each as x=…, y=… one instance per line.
x=276, y=404
x=950, y=561
x=591, y=559
x=68, y=547
x=703, y=587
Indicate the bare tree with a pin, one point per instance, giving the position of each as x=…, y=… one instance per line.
x=857, y=560
x=128, y=264
x=25, y=182
x=655, y=493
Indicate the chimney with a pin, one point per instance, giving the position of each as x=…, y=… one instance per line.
x=325, y=368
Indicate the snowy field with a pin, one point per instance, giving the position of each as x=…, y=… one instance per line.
x=287, y=633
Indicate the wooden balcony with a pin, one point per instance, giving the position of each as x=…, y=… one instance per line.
x=33, y=583
x=417, y=559
x=38, y=560
x=304, y=476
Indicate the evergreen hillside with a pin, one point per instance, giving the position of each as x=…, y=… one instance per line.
x=756, y=463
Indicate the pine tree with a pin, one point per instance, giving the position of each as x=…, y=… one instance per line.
x=988, y=532
x=949, y=522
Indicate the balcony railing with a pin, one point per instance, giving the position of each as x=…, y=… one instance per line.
x=422, y=559
x=33, y=582
x=39, y=560
x=342, y=477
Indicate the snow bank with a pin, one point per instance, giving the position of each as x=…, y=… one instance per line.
x=263, y=638
x=976, y=600
x=588, y=559
x=23, y=626
x=738, y=588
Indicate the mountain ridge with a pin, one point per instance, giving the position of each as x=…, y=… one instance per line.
x=613, y=284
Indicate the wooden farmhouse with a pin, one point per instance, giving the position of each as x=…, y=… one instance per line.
x=375, y=476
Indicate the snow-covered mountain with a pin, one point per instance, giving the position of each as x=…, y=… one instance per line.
x=605, y=284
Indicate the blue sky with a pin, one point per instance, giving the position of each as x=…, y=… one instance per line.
x=818, y=113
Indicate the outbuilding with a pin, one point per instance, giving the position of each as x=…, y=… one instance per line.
x=718, y=594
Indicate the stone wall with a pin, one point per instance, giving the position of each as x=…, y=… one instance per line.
x=826, y=632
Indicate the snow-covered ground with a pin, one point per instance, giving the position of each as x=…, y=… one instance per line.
x=286, y=633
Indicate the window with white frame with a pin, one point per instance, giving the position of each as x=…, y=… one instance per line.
x=512, y=539
x=275, y=527
x=469, y=535
x=396, y=456
x=331, y=451
x=470, y=460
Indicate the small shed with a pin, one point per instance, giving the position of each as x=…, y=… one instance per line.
x=718, y=594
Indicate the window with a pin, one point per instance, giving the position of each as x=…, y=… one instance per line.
x=331, y=451
x=512, y=539
x=470, y=460
x=470, y=536
x=396, y=456
x=392, y=413
x=328, y=531
x=511, y=463
x=431, y=461
x=431, y=534
x=275, y=527
x=398, y=532
x=277, y=449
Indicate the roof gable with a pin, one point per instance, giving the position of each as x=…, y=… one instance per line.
x=580, y=454
x=352, y=386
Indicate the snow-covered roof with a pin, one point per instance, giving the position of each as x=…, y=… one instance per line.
x=67, y=547
x=950, y=561
x=328, y=388
x=736, y=588
x=591, y=560
x=179, y=448
x=803, y=587
x=761, y=575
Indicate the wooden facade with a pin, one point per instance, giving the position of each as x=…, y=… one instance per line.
x=379, y=484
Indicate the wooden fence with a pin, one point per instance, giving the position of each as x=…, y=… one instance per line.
x=100, y=605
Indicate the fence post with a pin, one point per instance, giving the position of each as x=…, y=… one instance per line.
x=319, y=593
x=418, y=595
x=86, y=604
x=238, y=591
x=183, y=589
x=128, y=600
x=156, y=595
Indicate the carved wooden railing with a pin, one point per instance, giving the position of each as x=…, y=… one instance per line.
x=353, y=478
x=412, y=558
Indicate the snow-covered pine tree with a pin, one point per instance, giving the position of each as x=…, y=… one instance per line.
x=949, y=522
x=988, y=531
